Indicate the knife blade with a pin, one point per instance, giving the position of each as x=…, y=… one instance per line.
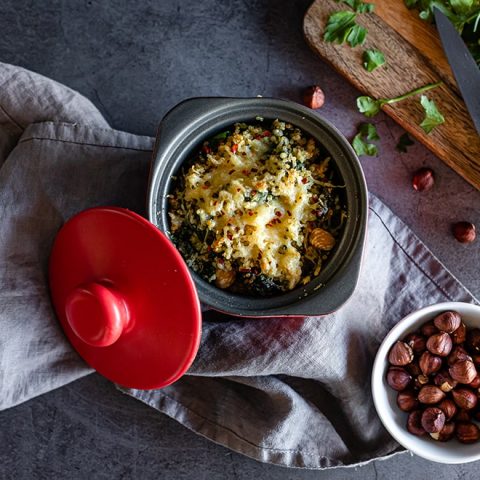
x=466, y=72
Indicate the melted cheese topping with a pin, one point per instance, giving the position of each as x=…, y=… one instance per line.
x=254, y=194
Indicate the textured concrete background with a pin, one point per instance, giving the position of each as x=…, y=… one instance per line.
x=135, y=60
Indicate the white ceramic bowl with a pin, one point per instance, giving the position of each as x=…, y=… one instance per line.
x=384, y=397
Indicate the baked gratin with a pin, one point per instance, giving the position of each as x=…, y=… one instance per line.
x=258, y=209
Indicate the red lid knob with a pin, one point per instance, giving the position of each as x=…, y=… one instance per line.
x=97, y=314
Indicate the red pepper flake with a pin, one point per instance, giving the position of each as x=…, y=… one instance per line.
x=259, y=256
x=244, y=270
x=220, y=260
x=250, y=213
x=231, y=171
x=206, y=186
x=239, y=189
x=246, y=172
x=304, y=181
x=206, y=149
x=253, y=192
x=266, y=133
x=255, y=170
x=215, y=203
x=209, y=248
x=234, y=148
x=278, y=214
x=229, y=236
x=289, y=213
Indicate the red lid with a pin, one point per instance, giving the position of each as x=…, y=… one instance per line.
x=125, y=298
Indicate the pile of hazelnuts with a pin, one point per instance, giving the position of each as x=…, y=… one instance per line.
x=434, y=371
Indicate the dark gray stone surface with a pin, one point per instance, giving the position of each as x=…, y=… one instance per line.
x=135, y=60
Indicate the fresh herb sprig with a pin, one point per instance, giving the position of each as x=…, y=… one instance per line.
x=342, y=27
x=370, y=106
x=433, y=117
x=373, y=59
x=464, y=14
x=366, y=131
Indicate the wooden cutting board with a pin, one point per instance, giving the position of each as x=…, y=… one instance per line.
x=414, y=58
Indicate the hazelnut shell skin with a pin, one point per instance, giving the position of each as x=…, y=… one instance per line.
x=460, y=334
x=440, y=344
x=407, y=401
x=433, y=420
x=429, y=363
x=414, y=423
x=466, y=399
x=463, y=371
x=423, y=179
x=398, y=378
x=400, y=354
x=430, y=394
x=445, y=434
x=447, y=322
x=464, y=232
x=448, y=407
x=467, y=432
x=313, y=97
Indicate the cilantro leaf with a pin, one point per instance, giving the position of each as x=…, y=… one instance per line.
x=341, y=27
x=357, y=35
x=362, y=147
x=433, y=117
x=404, y=142
x=368, y=106
x=338, y=26
x=373, y=59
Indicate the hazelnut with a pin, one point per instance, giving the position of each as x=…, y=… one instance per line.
x=321, y=239
x=444, y=381
x=440, y=344
x=430, y=394
x=407, y=401
x=429, y=363
x=457, y=354
x=460, y=334
x=423, y=180
x=416, y=341
x=445, y=434
x=464, y=398
x=463, y=371
x=224, y=278
x=463, y=416
x=448, y=407
x=414, y=423
x=313, y=97
x=467, y=432
x=398, y=378
x=428, y=329
x=473, y=340
x=464, y=232
x=400, y=354
x=433, y=419
x=447, y=321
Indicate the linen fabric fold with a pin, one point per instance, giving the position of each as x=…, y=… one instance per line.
x=294, y=392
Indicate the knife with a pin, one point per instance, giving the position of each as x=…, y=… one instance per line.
x=463, y=65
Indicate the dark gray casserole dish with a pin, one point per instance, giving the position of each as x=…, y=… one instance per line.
x=193, y=121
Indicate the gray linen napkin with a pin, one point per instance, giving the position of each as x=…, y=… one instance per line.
x=291, y=392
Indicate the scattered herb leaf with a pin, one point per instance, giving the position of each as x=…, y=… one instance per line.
x=341, y=27
x=464, y=14
x=433, y=117
x=373, y=59
x=404, y=142
x=359, y=6
x=370, y=106
x=366, y=131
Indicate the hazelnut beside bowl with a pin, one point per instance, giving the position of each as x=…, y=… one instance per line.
x=385, y=398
